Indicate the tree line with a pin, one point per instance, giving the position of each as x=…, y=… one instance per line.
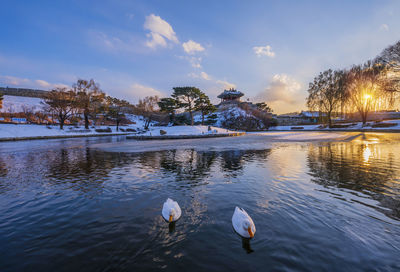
x=188, y=99
x=87, y=101
x=361, y=89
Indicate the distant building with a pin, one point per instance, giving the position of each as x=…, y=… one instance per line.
x=304, y=117
x=18, y=120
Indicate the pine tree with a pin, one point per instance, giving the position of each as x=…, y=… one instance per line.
x=203, y=104
x=186, y=98
x=168, y=105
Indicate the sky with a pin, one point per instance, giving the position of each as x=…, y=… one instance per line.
x=269, y=50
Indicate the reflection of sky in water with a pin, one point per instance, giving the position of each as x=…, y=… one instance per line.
x=316, y=206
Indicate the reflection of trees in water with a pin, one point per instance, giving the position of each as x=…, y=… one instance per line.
x=194, y=165
x=233, y=161
x=187, y=164
x=3, y=168
x=356, y=167
x=85, y=169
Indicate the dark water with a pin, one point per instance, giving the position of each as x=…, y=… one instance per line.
x=65, y=206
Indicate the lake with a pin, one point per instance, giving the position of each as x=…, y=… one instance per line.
x=94, y=204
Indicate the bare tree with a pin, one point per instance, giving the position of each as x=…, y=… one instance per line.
x=148, y=107
x=367, y=88
x=89, y=97
x=63, y=102
x=116, y=108
x=41, y=116
x=327, y=92
x=28, y=112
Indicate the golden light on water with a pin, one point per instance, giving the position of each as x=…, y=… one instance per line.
x=366, y=154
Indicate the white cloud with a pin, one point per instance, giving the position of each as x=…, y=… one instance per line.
x=205, y=76
x=27, y=83
x=108, y=42
x=225, y=84
x=283, y=94
x=202, y=75
x=384, y=27
x=43, y=83
x=156, y=40
x=192, y=47
x=264, y=51
x=160, y=30
x=195, y=62
x=14, y=81
x=137, y=90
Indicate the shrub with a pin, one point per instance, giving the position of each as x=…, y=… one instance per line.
x=241, y=122
x=131, y=130
x=104, y=130
x=211, y=119
x=383, y=125
x=341, y=125
x=181, y=120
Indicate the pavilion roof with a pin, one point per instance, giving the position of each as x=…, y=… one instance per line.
x=230, y=93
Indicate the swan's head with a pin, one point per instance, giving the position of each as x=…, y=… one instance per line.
x=171, y=214
x=247, y=227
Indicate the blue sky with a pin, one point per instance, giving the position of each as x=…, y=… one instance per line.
x=269, y=50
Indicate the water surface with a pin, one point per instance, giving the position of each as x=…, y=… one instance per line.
x=318, y=206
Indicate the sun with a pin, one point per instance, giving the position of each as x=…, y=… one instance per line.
x=367, y=96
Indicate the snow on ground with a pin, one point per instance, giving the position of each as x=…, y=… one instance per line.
x=13, y=131
x=357, y=126
x=221, y=115
x=15, y=103
x=304, y=136
x=138, y=120
x=306, y=127
x=186, y=130
x=22, y=130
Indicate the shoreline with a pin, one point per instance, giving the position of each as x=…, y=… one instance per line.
x=129, y=136
x=27, y=138
x=177, y=137
x=333, y=130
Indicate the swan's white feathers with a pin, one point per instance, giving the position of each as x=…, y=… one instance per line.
x=238, y=218
x=171, y=205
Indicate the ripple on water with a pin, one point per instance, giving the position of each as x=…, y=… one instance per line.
x=329, y=206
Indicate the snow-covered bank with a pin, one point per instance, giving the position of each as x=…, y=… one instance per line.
x=304, y=136
x=357, y=126
x=186, y=130
x=20, y=131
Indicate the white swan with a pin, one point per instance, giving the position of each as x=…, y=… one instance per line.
x=243, y=224
x=171, y=210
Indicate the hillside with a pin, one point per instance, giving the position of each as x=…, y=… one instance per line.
x=13, y=103
x=22, y=92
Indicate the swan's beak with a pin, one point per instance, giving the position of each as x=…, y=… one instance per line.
x=250, y=232
x=170, y=218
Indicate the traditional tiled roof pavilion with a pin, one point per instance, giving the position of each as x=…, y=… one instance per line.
x=230, y=95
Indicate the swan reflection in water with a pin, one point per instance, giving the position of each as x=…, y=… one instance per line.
x=171, y=227
x=246, y=245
